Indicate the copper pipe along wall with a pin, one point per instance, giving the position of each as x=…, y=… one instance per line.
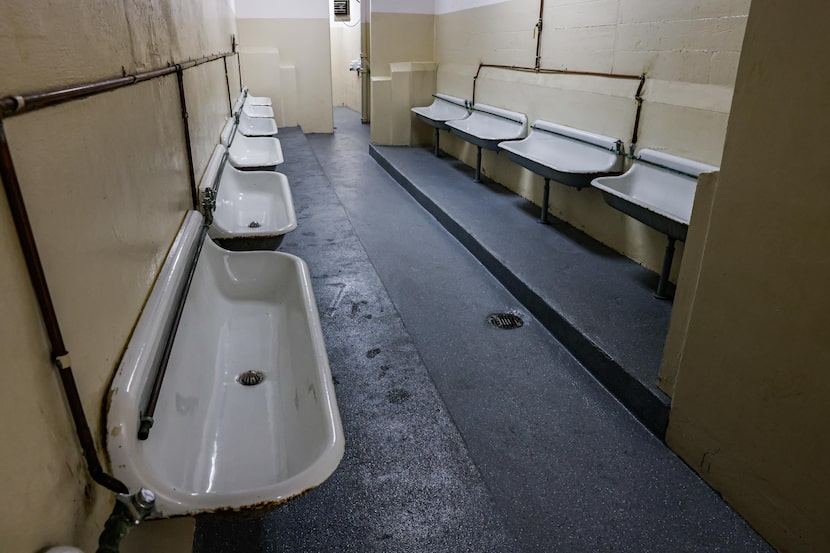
x=24, y=103
x=552, y=72
x=638, y=97
x=238, y=60
x=539, y=26
x=194, y=191
x=228, y=85
x=60, y=356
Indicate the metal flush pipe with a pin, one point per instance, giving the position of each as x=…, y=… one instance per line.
x=228, y=86
x=60, y=356
x=24, y=103
x=208, y=204
x=194, y=192
x=537, y=31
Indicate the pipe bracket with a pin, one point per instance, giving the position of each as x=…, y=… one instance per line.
x=63, y=361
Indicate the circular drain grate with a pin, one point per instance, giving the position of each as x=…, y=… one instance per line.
x=250, y=378
x=505, y=321
x=254, y=224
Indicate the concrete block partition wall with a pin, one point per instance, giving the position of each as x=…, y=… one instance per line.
x=688, y=50
x=106, y=184
x=286, y=55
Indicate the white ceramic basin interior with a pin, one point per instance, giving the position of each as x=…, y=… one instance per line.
x=257, y=111
x=256, y=126
x=487, y=126
x=246, y=152
x=444, y=108
x=248, y=203
x=215, y=443
x=256, y=100
x=567, y=150
x=658, y=182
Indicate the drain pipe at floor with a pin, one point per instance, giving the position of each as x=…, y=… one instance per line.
x=129, y=512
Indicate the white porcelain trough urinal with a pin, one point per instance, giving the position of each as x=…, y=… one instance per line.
x=247, y=152
x=256, y=100
x=256, y=126
x=659, y=191
x=253, y=209
x=246, y=415
x=487, y=126
x=257, y=111
x=571, y=156
x=444, y=108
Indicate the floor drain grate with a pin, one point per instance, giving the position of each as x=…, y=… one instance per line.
x=250, y=378
x=505, y=321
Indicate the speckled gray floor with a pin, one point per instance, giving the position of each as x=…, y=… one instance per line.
x=406, y=482
x=460, y=437
x=598, y=303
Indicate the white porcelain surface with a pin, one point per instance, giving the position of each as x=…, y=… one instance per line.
x=549, y=146
x=443, y=108
x=217, y=444
x=257, y=111
x=255, y=100
x=660, y=190
x=256, y=126
x=258, y=100
x=246, y=152
x=492, y=124
x=675, y=163
x=248, y=196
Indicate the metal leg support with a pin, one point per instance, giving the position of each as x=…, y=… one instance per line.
x=478, y=164
x=660, y=294
x=437, y=138
x=543, y=217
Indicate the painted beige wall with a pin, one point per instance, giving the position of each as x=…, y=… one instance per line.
x=105, y=181
x=750, y=408
x=301, y=48
x=688, y=49
x=402, y=51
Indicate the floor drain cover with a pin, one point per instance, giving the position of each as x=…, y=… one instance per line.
x=505, y=321
x=250, y=378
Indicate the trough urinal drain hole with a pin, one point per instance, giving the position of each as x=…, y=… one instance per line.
x=505, y=321
x=250, y=378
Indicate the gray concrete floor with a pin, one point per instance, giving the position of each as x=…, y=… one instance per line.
x=459, y=437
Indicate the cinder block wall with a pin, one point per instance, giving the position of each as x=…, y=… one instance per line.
x=688, y=49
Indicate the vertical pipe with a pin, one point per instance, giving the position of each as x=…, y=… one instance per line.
x=228, y=85
x=60, y=357
x=638, y=97
x=194, y=192
x=661, y=293
x=475, y=80
x=437, y=138
x=543, y=218
x=478, y=164
x=539, y=26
